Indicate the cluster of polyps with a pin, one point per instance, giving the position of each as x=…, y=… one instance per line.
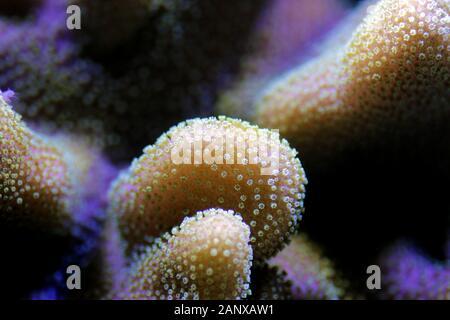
x=156, y=194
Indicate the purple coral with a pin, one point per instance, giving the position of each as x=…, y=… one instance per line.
x=52, y=191
x=63, y=86
x=409, y=274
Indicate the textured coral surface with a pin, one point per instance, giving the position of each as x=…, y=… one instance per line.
x=155, y=193
x=208, y=257
x=386, y=83
x=281, y=146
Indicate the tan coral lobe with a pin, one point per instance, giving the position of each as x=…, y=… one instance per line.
x=207, y=257
x=282, y=31
x=389, y=82
x=34, y=179
x=156, y=193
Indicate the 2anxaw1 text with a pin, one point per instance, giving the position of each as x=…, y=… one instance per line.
x=222, y=309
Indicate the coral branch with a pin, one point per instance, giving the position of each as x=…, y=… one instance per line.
x=34, y=179
x=284, y=34
x=207, y=257
x=372, y=90
x=156, y=192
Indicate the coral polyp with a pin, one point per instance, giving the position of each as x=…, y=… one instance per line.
x=213, y=163
x=207, y=257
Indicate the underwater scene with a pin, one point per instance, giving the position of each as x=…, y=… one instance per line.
x=225, y=149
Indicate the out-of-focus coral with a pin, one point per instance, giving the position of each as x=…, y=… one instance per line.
x=270, y=283
x=409, y=274
x=213, y=163
x=208, y=257
x=389, y=82
x=62, y=85
x=312, y=276
x=53, y=189
x=108, y=25
x=284, y=33
x=109, y=268
x=379, y=83
x=34, y=178
x=17, y=8
x=55, y=89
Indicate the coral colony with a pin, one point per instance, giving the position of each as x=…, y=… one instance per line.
x=234, y=105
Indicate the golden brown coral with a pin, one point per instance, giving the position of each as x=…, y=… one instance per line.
x=226, y=170
x=389, y=82
x=34, y=180
x=282, y=34
x=207, y=257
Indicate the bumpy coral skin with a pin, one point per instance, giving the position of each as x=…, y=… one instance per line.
x=372, y=90
x=53, y=196
x=312, y=276
x=64, y=86
x=56, y=88
x=155, y=193
x=34, y=178
x=270, y=283
x=207, y=257
x=408, y=274
x=284, y=32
